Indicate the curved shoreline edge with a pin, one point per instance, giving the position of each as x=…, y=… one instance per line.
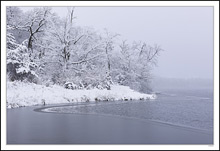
x=42, y=95
x=179, y=126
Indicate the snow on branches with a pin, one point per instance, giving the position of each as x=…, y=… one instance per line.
x=65, y=52
x=19, y=65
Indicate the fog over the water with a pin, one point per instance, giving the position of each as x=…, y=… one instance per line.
x=185, y=33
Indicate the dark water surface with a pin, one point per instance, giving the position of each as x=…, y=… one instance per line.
x=186, y=108
x=175, y=117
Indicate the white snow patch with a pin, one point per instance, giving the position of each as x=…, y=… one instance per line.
x=28, y=94
x=22, y=70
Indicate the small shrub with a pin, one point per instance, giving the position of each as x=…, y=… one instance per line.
x=70, y=85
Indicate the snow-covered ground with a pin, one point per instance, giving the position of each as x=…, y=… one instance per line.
x=21, y=94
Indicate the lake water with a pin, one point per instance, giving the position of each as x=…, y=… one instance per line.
x=175, y=117
x=189, y=108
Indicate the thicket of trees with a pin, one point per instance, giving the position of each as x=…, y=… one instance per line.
x=42, y=48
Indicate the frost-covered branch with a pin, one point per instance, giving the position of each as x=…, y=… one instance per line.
x=65, y=51
x=86, y=60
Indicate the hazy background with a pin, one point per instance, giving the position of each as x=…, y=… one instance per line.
x=185, y=33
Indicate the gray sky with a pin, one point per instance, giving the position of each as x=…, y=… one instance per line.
x=185, y=33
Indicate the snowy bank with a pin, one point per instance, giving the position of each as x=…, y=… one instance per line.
x=21, y=94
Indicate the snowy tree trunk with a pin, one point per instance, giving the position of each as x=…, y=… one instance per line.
x=30, y=40
x=108, y=73
x=64, y=62
x=64, y=67
x=108, y=62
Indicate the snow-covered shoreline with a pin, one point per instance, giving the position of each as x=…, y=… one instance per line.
x=21, y=94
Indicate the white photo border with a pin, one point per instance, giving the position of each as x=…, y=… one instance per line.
x=214, y=4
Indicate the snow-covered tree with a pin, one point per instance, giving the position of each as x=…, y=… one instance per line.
x=137, y=61
x=59, y=51
x=70, y=47
x=13, y=15
x=19, y=66
x=108, y=47
x=11, y=41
